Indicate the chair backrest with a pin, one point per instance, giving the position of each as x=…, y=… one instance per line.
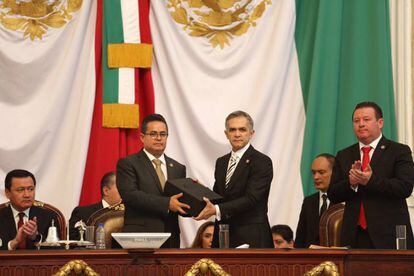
x=59, y=216
x=112, y=218
x=330, y=225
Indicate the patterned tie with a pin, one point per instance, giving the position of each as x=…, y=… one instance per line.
x=22, y=243
x=160, y=174
x=324, y=204
x=365, y=161
x=231, y=168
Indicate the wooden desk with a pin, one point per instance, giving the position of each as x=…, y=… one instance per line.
x=237, y=262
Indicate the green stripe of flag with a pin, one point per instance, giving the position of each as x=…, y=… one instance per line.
x=112, y=32
x=344, y=54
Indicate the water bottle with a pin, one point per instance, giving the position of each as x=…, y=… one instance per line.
x=100, y=237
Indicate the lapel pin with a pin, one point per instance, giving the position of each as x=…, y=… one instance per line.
x=382, y=147
x=171, y=165
x=247, y=161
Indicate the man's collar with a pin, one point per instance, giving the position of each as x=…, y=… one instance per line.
x=105, y=204
x=152, y=157
x=241, y=151
x=16, y=213
x=373, y=144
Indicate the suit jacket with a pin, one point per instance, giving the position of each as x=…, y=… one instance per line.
x=8, y=229
x=244, y=206
x=81, y=213
x=384, y=196
x=307, y=232
x=146, y=208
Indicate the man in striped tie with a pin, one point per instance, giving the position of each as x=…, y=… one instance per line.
x=373, y=177
x=243, y=178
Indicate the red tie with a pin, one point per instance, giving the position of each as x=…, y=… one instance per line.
x=22, y=243
x=365, y=161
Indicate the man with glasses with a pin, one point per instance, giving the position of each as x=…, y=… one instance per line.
x=141, y=179
x=21, y=222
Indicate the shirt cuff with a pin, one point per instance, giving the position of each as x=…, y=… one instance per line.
x=218, y=213
x=8, y=245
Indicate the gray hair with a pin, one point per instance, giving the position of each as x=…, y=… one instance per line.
x=237, y=114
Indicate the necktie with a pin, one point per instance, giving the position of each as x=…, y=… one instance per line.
x=365, y=161
x=22, y=243
x=160, y=174
x=231, y=168
x=324, y=204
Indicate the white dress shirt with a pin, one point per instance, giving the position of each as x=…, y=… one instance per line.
x=162, y=159
x=373, y=146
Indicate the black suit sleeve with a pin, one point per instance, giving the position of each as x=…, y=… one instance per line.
x=401, y=184
x=340, y=189
x=300, y=239
x=74, y=218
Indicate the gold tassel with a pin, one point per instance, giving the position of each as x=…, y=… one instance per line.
x=130, y=55
x=120, y=115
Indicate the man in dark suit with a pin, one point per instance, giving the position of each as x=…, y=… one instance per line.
x=314, y=205
x=243, y=178
x=110, y=197
x=141, y=178
x=373, y=177
x=21, y=222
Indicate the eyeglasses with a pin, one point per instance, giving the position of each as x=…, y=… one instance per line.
x=154, y=134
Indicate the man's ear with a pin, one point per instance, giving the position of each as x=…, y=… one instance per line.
x=7, y=193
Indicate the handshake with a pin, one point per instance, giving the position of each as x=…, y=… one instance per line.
x=191, y=199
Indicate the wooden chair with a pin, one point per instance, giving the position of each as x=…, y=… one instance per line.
x=330, y=225
x=112, y=218
x=59, y=216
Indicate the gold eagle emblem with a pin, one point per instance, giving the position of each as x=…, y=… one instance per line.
x=35, y=17
x=217, y=20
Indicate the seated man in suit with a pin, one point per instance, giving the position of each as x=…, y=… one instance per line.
x=110, y=197
x=21, y=222
x=242, y=178
x=141, y=179
x=282, y=236
x=314, y=205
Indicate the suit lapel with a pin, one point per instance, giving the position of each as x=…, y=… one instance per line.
x=241, y=166
x=143, y=157
x=379, y=150
x=9, y=217
x=222, y=170
x=171, y=170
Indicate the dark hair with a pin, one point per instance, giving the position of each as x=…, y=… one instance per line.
x=284, y=231
x=197, y=243
x=17, y=174
x=152, y=118
x=377, y=108
x=329, y=157
x=240, y=113
x=106, y=179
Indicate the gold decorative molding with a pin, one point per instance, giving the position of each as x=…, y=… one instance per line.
x=203, y=266
x=77, y=266
x=325, y=268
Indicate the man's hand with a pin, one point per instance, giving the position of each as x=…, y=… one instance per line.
x=176, y=205
x=352, y=179
x=358, y=177
x=30, y=228
x=208, y=211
